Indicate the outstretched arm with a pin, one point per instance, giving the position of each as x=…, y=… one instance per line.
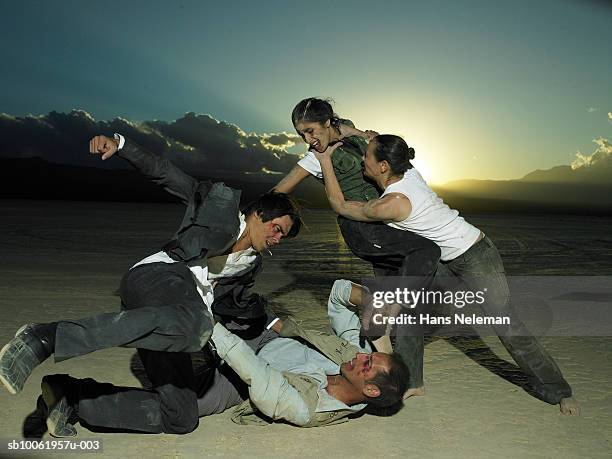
x=269, y=390
x=291, y=180
x=159, y=170
x=393, y=207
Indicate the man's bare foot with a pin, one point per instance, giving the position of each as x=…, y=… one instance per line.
x=414, y=391
x=569, y=407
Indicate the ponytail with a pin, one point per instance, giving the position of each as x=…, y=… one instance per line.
x=395, y=151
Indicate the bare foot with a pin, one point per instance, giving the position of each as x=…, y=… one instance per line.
x=415, y=391
x=569, y=407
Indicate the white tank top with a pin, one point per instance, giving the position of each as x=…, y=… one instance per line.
x=431, y=218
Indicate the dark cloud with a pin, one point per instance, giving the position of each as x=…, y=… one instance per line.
x=199, y=143
x=224, y=146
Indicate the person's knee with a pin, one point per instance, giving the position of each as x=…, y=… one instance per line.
x=182, y=420
x=183, y=426
x=498, y=294
x=179, y=409
x=192, y=321
x=202, y=327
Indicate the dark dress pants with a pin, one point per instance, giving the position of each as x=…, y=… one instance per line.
x=394, y=252
x=165, y=318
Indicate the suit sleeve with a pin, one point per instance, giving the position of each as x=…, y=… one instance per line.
x=269, y=390
x=159, y=170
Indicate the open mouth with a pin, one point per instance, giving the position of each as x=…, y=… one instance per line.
x=315, y=145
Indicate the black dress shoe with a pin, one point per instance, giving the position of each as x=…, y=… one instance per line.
x=21, y=355
x=58, y=393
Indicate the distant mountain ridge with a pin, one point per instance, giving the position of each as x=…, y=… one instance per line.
x=602, y=174
x=588, y=188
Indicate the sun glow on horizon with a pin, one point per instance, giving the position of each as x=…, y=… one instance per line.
x=440, y=157
x=418, y=136
x=424, y=169
x=441, y=154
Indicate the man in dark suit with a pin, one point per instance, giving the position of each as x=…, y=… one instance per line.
x=168, y=302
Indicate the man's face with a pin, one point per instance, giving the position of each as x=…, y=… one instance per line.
x=316, y=135
x=371, y=166
x=364, y=367
x=265, y=235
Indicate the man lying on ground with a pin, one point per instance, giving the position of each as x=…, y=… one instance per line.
x=283, y=378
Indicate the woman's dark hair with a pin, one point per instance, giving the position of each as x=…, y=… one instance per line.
x=273, y=205
x=314, y=110
x=395, y=151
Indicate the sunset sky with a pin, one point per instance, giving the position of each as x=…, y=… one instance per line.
x=481, y=89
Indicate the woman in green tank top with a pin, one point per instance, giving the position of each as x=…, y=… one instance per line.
x=319, y=126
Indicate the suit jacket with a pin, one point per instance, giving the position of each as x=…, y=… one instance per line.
x=209, y=227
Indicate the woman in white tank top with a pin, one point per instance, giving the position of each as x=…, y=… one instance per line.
x=407, y=203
